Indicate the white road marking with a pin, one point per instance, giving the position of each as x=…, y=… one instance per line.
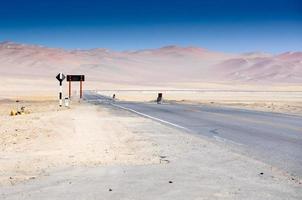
x=220, y=139
x=217, y=138
x=154, y=118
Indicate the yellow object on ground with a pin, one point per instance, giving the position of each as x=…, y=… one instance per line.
x=13, y=113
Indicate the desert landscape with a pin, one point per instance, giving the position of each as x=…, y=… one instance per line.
x=151, y=100
x=81, y=147
x=187, y=74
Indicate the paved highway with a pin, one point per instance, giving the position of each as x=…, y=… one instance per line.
x=270, y=137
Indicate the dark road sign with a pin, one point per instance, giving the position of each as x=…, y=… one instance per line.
x=75, y=78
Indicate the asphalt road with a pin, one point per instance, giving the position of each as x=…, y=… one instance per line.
x=270, y=137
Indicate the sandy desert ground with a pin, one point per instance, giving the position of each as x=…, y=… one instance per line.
x=35, y=147
x=52, y=138
x=284, y=98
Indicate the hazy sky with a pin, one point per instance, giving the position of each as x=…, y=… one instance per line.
x=221, y=25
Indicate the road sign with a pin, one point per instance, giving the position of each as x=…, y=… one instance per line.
x=60, y=77
x=80, y=78
x=75, y=78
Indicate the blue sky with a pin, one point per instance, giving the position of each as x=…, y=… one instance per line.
x=222, y=25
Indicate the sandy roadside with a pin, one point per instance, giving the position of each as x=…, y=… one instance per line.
x=51, y=138
x=282, y=98
x=36, y=149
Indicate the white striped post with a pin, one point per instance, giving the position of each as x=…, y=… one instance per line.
x=60, y=94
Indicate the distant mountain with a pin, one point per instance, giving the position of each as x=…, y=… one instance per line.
x=166, y=64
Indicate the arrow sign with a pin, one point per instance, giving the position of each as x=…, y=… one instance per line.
x=60, y=77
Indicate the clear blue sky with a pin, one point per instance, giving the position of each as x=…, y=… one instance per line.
x=222, y=25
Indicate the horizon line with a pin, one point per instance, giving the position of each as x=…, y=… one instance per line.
x=143, y=49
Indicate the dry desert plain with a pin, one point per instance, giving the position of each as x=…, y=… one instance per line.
x=90, y=151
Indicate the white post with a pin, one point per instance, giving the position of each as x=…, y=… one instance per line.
x=61, y=90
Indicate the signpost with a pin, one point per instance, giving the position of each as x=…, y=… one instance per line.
x=71, y=78
x=60, y=78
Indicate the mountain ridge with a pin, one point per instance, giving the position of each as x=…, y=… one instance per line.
x=165, y=64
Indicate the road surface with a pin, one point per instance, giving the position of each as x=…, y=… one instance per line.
x=270, y=137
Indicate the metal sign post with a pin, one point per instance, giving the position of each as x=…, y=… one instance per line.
x=81, y=89
x=69, y=88
x=60, y=78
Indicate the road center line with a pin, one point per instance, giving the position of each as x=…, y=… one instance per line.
x=148, y=116
x=217, y=138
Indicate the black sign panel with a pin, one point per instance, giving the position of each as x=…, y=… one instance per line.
x=75, y=78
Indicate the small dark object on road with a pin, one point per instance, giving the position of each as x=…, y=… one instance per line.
x=261, y=173
x=159, y=98
x=170, y=181
x=110, y=189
